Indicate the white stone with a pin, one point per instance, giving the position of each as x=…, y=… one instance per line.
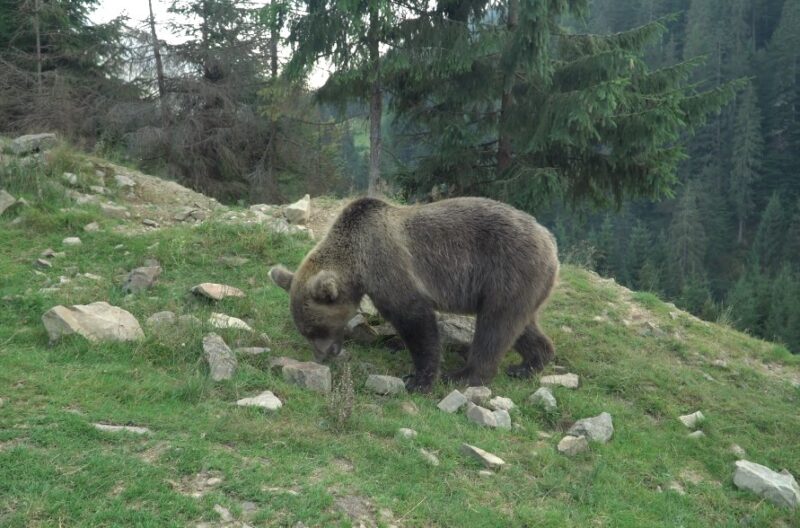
x=266, y=399
x=252, y=351
x=124, y=181
x=216, y=292
x=91, y=227
x=309, y=375
x=481, y=416
x=406, y=433
x=385, y=384
x=544, y=398
x=502, y=419
x=500, y=403
x=6, y=201
x=452, y=402
x=737, y=450
x=224, y=513
x=33, y=143
x=222, y=321
x=488, y=459
x=98, y=321
x=570, y=381
x=696, y=434
x=70, y=178
x=572, y=445
x=300, y=211
x=598, y=428
x=222, y=362
x=429, y=457
x=141, y=279
x=778, y=488
x=71, y=241
x=121, y=428
x=478, y=395
x=692, y=421
x=114, y=211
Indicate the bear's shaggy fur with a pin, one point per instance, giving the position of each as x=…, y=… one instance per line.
x=462, y=255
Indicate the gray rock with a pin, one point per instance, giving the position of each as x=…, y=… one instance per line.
x=385, y=384
x=502, y=419
x=6, y=201
x=410, y=408
x=429, y=457
x=500, y=403
x=598, y=428
x=299, y=212
x=71, y=241
x=189, y=320
x=222, y=321
x=309, y=375
x=696, y=434
x=234, y=261
x=572, y=445
x=252, y=351
x=360, y=331
x=141, y=279
x=121, y=429
x=33, y=143
x=224, y=513
x=47, y=253
x=455, y=330
x=280, y=362
x=266, y=400
x=221, y=361
x=114, y=211
x=70, y=178
x=406, y=433
x=543, y=397
x=216, y=292
x=149, y=223
x=164, y=318
x=692, y=421
x=98, y=189
x=452, y=402
x=43, y=263
x=98, y=321
x=481, y=416
x=778, y=488
x=487, y=459
x=737, y=450
x=124, y=181
x=92, y=227
x=570, y=381
x=367, y=308
x=478, y=395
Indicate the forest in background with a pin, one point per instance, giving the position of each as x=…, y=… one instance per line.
x=659, y=139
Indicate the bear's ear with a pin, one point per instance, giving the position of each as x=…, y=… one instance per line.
x=281, y=276
x=324, y=287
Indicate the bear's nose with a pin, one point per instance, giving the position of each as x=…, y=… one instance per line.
x=326, y=348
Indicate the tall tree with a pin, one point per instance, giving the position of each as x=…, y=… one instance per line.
x=687, y=239
x=747, y=155
x=769, y=242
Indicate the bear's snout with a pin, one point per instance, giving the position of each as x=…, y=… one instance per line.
x=326, y=348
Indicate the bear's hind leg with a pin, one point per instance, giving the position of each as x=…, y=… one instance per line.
x=536, y=350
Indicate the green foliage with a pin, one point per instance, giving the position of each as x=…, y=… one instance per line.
x=768, y=246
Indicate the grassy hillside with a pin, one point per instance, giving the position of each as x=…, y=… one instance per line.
x=638, y=358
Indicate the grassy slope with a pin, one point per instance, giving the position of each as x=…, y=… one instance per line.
x=55, y=469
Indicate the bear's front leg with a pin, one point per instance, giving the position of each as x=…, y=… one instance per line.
x=416, y=325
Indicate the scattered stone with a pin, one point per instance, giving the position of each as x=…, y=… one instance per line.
x=429, y=457
x=98, y=321
x=47, y=253
x=409, y=407
x=360, y=331
x=566, y=329
x=385, y=384
x=502, y=418
x=544, y=435
x=280, y=362
x=570, y=381
x=91, y=276
x=676, y=487
x=478, y=395
x=98, y=189
x=721, y=363
x=778, y=488
x=216, y=292
x=488, y=459
x=544, y=398
x=221, y=361
x=234, y=261
x=6, y=201
x=124, y=181
x=572, y=445
x=33, y=143
x=367, y=308
x=150, y=223
x=598, y=428
x=252, y=351
x=486, y=473
x=452, y=402
x=500, y=403
x=266, y=399
x=222, y=321
x=43, y=263
x=70, y=178
x=309, y=375
x=481, y=416
x=406, y=433
x=141, y=279
x=696, y=434
x=121, y=428
x=164, y=318
x=300, y=211
x=114, y=211
x=224, y=513
x=692, y=421
x=189, y=320
x=92, y=227
x=455, y=330
x=737, y=450
x=72, y=241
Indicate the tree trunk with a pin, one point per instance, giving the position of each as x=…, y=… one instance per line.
x=375, y=105
x=36, y=7
x=504, y=146
x=162, y=88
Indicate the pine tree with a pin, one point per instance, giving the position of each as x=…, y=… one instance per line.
x=747, y=154
x=769, y=242
x=687, y=239
x=784, y=312
x=638, y=252
x=791, y=253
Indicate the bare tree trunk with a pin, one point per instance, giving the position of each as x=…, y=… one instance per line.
x=504, y=147
x=162, y=88
x=375, y=105
x=36, y=7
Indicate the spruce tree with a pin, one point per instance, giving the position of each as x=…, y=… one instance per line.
x=791, y=252
x=768, y=245
x=687, y=238
x=747, y=154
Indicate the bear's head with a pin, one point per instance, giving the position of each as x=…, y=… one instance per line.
x=321, y=305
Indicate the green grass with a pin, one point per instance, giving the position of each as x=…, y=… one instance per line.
x=56, y=469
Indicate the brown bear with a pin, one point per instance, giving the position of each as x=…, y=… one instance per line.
x=461, y=255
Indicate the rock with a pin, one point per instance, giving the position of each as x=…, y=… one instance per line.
x=189, y=320
x=141, y=279
x=487, y=459
x=224, y=513
x=485, y=473
x=598, y=428
x=452, y=402
x=121, y=428
x=478, y=395
x=234, y=261
x=114, y=211
x=164, y=318
x=47, y=253
x=429, y=457
x=720, y=363
x=221, y=361
x=252, y=351
x=406, y=433
x=455, y=330
x=696, y=434
x=149, y=223
x=367, y=308
x=502, y=418
x=737, y=450
x=409, y=407
x=778, y=488
x=692, y=421
x=299, y=212
x=124, y=181
x=216, y=292
x=266, y=399
x=360, y=331
x=481, y=416
x=499, y=403
x=280, y=362
x=385, y=384
x=70, y=178
x=572, y=445
x=543, y=397
x=92, y=227
x=222, y=321
x=309, y=375
x=71, y=241
x=6, y=201
x=676, y=487
x=33, y=143
x=570, y=381
x=98, y=321
x=43, y=263
x=98, y=189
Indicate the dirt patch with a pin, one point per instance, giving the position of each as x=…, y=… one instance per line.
x=197, y=485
